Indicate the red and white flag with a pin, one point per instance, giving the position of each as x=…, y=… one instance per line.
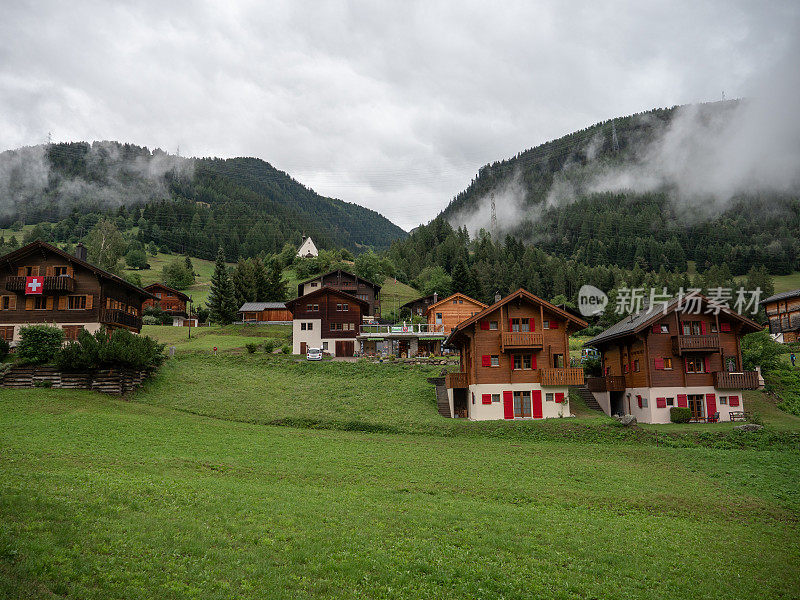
x=34, y=285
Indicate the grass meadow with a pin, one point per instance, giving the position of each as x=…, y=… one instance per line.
x=266, y=476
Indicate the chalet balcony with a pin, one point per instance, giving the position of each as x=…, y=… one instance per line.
x=609, y=383
x=746, y=380
x=695, y=343
x=120, y=317
x=561, y=377
x=63, y=284
x=521, y=339
x=456, y=380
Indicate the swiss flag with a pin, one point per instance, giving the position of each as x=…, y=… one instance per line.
x=34, y=285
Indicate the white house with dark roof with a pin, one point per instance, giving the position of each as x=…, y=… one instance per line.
x=307, y=249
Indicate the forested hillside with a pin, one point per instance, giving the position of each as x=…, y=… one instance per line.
x=187, y=205
x=601, y=196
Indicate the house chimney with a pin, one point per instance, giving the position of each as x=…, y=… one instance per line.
x=80, y=251
x=435, y=296
x=497, y=297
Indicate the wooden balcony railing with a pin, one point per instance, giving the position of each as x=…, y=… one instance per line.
x=120, y=317
x=695, y=343
x=51, y=284
x=560, y=377
x=609, y=383
x=746, y=380
x=456, y=380
x=521, y=339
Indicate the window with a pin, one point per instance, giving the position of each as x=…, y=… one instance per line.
x=337, y=326
x=493, y=325
x=314, y=284
x=517, y=361
x=545, y=324
x=670, y=401
x=158, y=295
x=522, y=404
x=520, y=324
x=302, y=326
x=664, y=328
x=438, y=318
x=636, y=365
x=365, y=299
x=714, y=328
x=668, y=364
x=312, y=307
x=309, y=326
x=695, y=364
x=5, y=303
x=558, y=361
x=644, y=402
x=495, y=397
x=71, y=332
x=549, y=397
x=60, y=271
x=324, y=345
x=455, y=301
x=345, y=307
x=461, y=302
x=723, y=400
x=495, y=360
x=7, y=333
x=40, y=303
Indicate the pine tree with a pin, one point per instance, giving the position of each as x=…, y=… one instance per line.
x=275, y=283
x=222, y=299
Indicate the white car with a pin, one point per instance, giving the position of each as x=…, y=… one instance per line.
x=314, y=354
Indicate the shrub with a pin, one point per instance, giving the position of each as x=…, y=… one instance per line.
x=151, y=320
x=120, y=349
x=39, y=343
x=269, y=345
x=251, y=347
x=4, y=348
x=679, y=415
x=286, y=349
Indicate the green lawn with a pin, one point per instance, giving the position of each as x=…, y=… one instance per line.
x=102, y=498
x=225, y=338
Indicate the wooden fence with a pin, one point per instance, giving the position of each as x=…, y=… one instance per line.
x=108, y=381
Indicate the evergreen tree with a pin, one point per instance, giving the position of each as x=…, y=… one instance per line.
x=222, y=299
x=275, y=283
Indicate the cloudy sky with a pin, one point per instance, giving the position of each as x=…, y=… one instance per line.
x=394, y=106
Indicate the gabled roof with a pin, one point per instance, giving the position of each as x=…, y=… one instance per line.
x=633, y=324
x=21, y=253
x=781, y=296
x=326, y=289
x=259, y=306
x=162, y=286
x=421, y=299
x=521, y=294
x=375, y=285
x=457, y=295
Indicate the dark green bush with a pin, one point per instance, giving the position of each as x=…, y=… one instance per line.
x=251, y=347
x=269, y=345
x=679, y=415
x=39, y=343
x=120, y=349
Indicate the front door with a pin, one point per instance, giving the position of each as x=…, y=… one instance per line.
x=345, y=348
x=696, y=405
x=303, y=348
x=522, y=405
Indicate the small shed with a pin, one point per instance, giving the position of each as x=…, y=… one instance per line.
x=264, y=312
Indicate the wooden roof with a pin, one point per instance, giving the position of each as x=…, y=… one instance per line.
x=326, y=289
x=163, y=286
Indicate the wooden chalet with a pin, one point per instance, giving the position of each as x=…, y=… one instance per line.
x=783, y=313
x=419, y=307
x=171, y=301
x=349, y=283
x=452, y=310
x=42, y=284
x=681, y=356
x=326, y=318
x=265, y=312
x=514, y=361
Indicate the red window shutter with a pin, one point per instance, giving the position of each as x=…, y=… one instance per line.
x=703, y=329
x=639, y=400
x=511, y=324
x=486, y=360
x=533, y=362
x=559, y=397
x=533, y=324
x=553, y=324
x=661, y=403
x=733, y=400
x=683, y=401
x=508, y=405
x=486, y=398
x=658, y=363
x=706, y=363
x=711, y=404
x=485, y=325
x=536, y=397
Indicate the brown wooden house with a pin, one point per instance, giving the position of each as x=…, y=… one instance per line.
x=419, y=307
x=514, y=361
x=783, y=313
x=681, y=356
x=328, y=319
x=265, y=312
x=171, y=301
x=40, y=284
x=452, y=310
x=349, y=283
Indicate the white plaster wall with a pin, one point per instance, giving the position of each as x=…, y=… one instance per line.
x=494, y=411
x=313, y=338
x=604, y=400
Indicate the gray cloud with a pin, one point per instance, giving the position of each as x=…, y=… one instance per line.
x=392, y=106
